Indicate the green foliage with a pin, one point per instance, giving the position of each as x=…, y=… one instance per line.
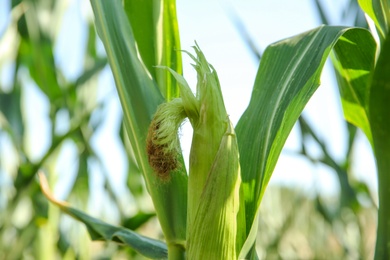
x=140, y=96
x=378, y=11
x=156, y=32
x=33, y=67
x=98, y=230
x=289, y=74
x=354, y=73
x=208, y=213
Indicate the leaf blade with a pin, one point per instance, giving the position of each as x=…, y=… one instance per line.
x=377, y=11
x=288, y=75
x=353, y=73
x=140, y=96
x=99, y=230
x=156, y=31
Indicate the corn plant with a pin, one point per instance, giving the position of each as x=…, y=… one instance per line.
x=211, y=211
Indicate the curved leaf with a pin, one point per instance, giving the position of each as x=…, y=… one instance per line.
x=98, y=230
x=155, y=28
x=354, y=75
x=379, y=12
x=288, y=76
x=140, y=96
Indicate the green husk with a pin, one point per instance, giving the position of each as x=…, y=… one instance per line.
x=212, y=234
x=214, y=170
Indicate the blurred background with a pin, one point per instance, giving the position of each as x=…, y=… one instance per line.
x=59, y=112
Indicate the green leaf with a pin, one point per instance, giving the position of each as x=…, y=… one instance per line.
x=168, y=52
x=156, y=32
x=98, y=230
x=81, y=184
x=354, y=74
x=38, y=57
x=36, y=53
x=137, y=220
x=288, y=76
x=97, y=66
x=91, y=42
x=140, y=15
x=212, y=233
x=379, y=12
x=379, y=116
x=10, y=108
x=140, y=96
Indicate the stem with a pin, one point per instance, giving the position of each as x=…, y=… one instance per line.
x=382, y=250
x=176, y=252
x=380, y=127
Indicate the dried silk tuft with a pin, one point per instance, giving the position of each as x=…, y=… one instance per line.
x=162, y=144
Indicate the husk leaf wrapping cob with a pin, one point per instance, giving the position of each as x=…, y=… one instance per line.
x=214, y=170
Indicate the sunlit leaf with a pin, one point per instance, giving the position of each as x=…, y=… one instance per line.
x=354, y=64
x=156, y=32
x=288, y=76
x=141, y=17
x=378, y=11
